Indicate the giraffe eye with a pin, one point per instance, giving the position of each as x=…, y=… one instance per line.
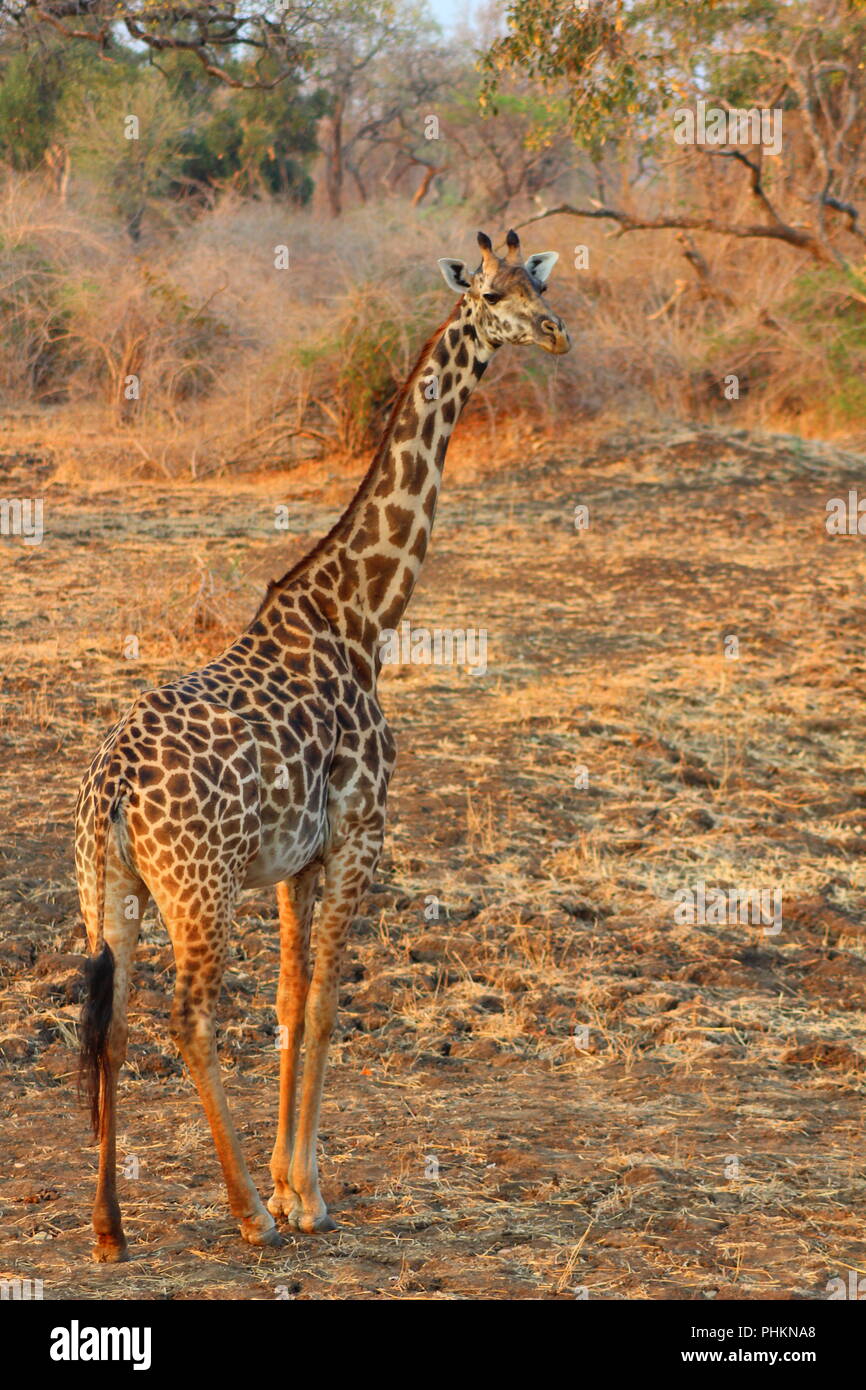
x=493, y=298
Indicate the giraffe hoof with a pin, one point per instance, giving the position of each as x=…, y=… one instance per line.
x=255, y=1236
x=315, y=1225
x=110, y=1252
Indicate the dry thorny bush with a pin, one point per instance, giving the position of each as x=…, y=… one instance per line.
x=239, y=364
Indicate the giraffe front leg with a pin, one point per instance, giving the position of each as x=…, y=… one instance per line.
x=311, y=1213
x=348, y=873
x=296, y=901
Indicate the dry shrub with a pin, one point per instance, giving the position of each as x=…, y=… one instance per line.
x=39, y=245
x=85, y=319
x=140, y=342
x=244, y=365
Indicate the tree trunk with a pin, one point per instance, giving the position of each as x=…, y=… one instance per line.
x=334, y=159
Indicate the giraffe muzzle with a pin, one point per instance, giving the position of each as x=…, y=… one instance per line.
x=553, y=336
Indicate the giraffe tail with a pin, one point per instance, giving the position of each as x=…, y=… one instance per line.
x=98, y=1005
x=93, y=1031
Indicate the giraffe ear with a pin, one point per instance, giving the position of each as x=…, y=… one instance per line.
x=541, y=264
x=455, y=274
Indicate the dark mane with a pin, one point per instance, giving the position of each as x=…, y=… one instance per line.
x=277, y=585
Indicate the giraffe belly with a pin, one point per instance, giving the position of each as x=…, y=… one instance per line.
x=282, y=854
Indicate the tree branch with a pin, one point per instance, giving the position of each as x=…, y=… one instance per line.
x=803, y=239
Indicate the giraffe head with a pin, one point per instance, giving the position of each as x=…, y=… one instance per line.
x=504, y=296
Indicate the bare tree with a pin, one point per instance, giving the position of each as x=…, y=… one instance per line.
x=375, y=62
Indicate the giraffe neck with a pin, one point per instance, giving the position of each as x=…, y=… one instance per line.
x=361, y=576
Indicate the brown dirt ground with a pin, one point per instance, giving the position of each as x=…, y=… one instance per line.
x=560, y=1168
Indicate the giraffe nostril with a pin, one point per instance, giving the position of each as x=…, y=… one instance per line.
x=550, y=326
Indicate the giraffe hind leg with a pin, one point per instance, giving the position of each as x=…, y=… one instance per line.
x=200, y=945
x=125, y=900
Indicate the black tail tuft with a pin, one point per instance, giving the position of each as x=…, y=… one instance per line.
x=95, y=1023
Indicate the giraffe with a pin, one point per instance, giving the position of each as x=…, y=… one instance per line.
x=269, y=767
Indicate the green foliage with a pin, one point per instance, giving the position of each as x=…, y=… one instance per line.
x=32, y=83
x=581, y=53
x=620, y=64
x=826, y=299
x=193, y=133
x=813, y=359
x=28, y=98
x=260, y=141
